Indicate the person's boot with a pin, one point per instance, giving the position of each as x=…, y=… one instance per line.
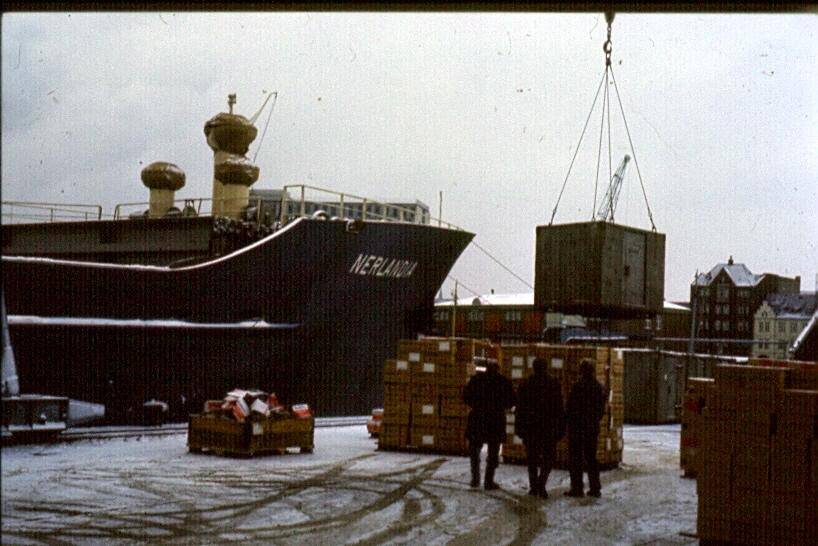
x=488, y=483
x=532, y=481
x=475, y=474
x=542, y=482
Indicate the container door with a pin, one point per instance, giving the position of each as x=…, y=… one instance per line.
x=633, y=277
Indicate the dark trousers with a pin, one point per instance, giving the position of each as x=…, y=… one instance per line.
x=492, y=461
x=541, y=453
x=582, y=445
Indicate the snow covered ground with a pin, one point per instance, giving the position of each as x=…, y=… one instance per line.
x=152, y=490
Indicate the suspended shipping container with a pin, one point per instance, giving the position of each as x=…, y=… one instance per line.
x=599, y=269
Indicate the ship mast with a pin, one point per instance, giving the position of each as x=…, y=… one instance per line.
x=229, y=136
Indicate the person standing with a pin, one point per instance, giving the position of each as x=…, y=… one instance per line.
x=488, y=394
x=540, y=422
x=586, y=405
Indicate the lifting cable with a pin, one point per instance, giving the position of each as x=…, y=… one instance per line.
x=501, y=264
x=633, y=151
x=601, y=81
x=498, y=262
x=460, y=284
x=607, y=47
x=270, y=115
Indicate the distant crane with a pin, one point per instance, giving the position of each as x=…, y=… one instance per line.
x=606, y=209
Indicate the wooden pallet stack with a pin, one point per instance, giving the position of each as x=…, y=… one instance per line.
x=563, y=364
x=255, y=436
x=758, y=464
x=694, y=401
x=423, y=405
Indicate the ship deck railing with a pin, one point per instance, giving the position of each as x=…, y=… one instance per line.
x=347, y=205
x=305, y=201
x=17, y=212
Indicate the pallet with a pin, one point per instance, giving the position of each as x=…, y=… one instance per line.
x=208, y=433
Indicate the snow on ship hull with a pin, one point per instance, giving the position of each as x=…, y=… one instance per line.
x=311, y=312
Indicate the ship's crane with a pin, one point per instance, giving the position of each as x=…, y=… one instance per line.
x=606, y=209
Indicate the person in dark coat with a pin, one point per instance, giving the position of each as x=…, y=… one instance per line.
x=586, y=405
x=540, y=422
x=488, y=394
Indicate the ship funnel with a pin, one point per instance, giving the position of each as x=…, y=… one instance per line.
x=229, y=136
x=163, y=179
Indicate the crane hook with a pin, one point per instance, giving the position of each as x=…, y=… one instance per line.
x=607, y=47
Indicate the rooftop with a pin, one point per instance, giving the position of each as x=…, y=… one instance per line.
x=792, y=305
x=738, y=273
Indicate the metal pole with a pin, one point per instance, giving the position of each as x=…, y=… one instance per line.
x=440, y=216
x=454, y=311
x=691, y=343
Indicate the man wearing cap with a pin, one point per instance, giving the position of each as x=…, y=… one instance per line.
x=586, y=405
x=488, y=394
x=540, y=422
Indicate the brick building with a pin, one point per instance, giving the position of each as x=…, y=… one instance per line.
x=726, y=300
x=514, y=317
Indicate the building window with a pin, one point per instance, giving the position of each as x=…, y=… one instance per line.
x=475, y=316
x=793, y=327
x=513, y=316
x=442, y=315
x=717, y=325
x=658, y=322
x=723, y=293
x=743, y=294
x=781, y=326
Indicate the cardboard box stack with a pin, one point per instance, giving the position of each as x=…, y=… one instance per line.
x=758, y=463
x=695, y=400
x=423, y=406
x=563, y=364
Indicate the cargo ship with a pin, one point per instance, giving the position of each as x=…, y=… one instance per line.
x=299, y=295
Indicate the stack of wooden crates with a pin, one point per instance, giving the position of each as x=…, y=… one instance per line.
x=757, y=462
x=423, y=386
x=563, y=364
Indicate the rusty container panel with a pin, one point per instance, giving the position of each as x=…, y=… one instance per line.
x=599, y=269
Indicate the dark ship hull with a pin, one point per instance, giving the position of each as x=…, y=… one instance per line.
x=311, y=312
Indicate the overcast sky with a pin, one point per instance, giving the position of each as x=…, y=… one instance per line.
x=487, y=108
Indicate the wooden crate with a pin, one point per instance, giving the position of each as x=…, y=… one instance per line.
x=253, y=437
x=599, y=269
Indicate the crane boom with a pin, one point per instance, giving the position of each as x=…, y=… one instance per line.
x=606, y=209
